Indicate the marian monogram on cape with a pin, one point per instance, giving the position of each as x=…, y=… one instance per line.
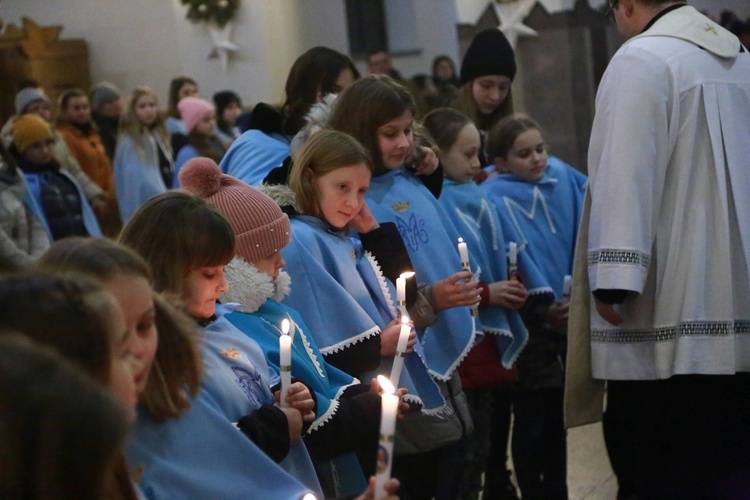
x=516, y=209
x=412, y=231
x=484, y=218
x=249, y=382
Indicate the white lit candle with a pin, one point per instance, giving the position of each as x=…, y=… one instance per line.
x=401, y=291
x=513, y=259
x=567, y=284
x=285, y=361
x=403, y=341
x=463, y=251
x=387, y=430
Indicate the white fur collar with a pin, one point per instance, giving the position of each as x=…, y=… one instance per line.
x=251, y=288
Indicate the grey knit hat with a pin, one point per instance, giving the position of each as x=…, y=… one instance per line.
x=102, y=93
x=29, y=95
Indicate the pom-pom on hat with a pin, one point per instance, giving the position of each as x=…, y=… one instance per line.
x=28, y=130
x=193, y=110
x=490, y=53
x=260, y=227
x=102, y=93
x=29, y=95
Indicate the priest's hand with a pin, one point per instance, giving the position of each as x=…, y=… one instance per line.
x=607, y=311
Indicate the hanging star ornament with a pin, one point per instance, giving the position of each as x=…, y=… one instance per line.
x=223, y=47
x=512, y=15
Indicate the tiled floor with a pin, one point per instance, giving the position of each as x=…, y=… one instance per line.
x=590, y=475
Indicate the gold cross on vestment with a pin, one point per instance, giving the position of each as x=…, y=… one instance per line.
x=710, y=28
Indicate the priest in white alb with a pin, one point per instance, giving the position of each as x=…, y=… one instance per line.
x=662, y=289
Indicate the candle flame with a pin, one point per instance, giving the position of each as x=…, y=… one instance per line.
x=309, y=496
x=460, y=240
x=285, y=326
x=407, y=275
x=386, y=385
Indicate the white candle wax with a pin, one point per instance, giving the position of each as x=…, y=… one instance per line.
x=389, y=410
x=401, y=290
x=398, y=360
x=567, y=284
x=463, y=251
x=513, y=253
x=285, y=362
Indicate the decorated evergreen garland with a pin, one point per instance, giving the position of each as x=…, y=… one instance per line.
x=211, y=11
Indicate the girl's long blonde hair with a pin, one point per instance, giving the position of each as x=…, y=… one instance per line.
x=466, y=104
x=324, y=152
x=130, y=125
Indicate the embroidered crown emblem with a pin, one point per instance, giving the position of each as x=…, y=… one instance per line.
x=232, y=353
x=400, y=206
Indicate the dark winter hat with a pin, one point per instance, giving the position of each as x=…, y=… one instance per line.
x=490, y=53
x=260, y=227
x=102, y=93
x=225, y=98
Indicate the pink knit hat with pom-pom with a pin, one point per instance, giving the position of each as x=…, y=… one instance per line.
x=260, y=227
x=193, y=110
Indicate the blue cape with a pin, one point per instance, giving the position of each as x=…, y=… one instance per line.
x=479, y=225
x=332, y=274
x=308, y=365
x=431, y=239
x=202, y=454
x=137, y=175
x=33, y=200
x=544, y=215
x=186, y=153
x=253, y=155
x=238, y=378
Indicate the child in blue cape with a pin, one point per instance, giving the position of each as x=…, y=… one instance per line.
x=143, y=158
x=204, y=452
x=486, y=368
x=541, y=198
x=332, y=271
x=378, y=112
x=348, y=413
